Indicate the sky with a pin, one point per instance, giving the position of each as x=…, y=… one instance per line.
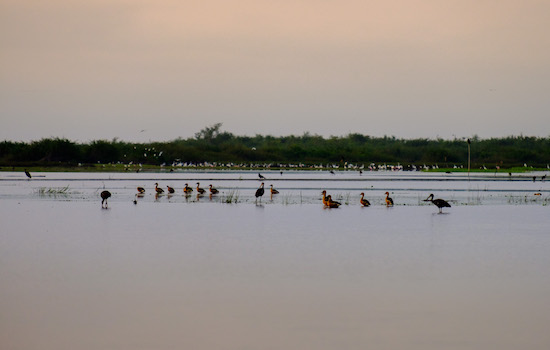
x=157, y=70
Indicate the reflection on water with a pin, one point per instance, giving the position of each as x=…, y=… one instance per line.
x=177, y=273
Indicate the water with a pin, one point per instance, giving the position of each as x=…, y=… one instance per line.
x=182, y=272
x=296, y=187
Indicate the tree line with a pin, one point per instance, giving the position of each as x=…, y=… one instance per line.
x=215, y=146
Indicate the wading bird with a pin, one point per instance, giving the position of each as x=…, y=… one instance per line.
x=440, y=203
x=28, y=174
x=389, y=201
x=260, y=192
x=200, y=191
x=325, y=197
x=141, y=190
x=170, y=189
x=213, y=190
x=363, y=201
x=273, y=191
x=187, y=189
x=331, y=203
x=158, y=189
x=104, y=195
x=261, y=176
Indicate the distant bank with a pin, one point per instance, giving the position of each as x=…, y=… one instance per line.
x=222, y=150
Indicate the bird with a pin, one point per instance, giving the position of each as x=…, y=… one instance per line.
x=141, y=190
x=260, y=192
x=389, y=201
x=363, y=201
x=170, y=189
x=440, y=203
x=325, y=197
x=332, y=172
x=158, y=189
x=28, y=174
x=261, y=176
x=199, y=189
x=213, y=190
x=135, y=198
x=331, y=203
x=273, y=191
x=187, y=189
x=543, y=178
x=104, y=196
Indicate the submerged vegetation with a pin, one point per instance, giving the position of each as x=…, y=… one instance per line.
x=213, y=148
x=53, y=191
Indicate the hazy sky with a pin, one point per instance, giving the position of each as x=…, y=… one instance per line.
x=101, y=69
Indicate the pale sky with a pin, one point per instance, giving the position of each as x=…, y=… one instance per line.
x=100, y=69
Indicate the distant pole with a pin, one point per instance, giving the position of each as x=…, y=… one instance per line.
x=469, y=159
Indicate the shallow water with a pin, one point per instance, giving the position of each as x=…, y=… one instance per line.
x=173, y=273
x=296, y=187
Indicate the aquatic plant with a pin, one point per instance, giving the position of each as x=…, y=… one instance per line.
x=286, y=199
x=347, y=196
x=52, y=191
x=527, y=199
x=231, y=197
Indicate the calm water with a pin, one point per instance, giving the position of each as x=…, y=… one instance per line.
x=185, y=273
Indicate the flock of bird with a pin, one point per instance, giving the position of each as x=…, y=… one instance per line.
x=327, y=200
x=186, y=189
x=329, y=203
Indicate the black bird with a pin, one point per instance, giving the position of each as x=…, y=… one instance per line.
x=28, y=174
x=543, y=178
x=260, y=192
x=104, y=196
x=440, y=203
x=261, y=176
